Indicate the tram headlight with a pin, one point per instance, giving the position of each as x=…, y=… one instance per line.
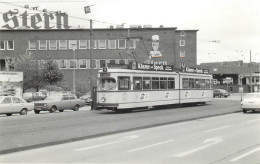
x=103, y=99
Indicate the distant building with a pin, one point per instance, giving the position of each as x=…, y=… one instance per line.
x=230, y=75
x=167, y=46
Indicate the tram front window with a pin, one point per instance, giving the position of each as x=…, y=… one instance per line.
x=106, y=84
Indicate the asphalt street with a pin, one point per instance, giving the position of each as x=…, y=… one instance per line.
x=232, y=138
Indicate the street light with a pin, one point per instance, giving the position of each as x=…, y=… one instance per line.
x=74, y=69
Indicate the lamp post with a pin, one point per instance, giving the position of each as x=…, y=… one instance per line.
x=250, y=66
x=74, y=69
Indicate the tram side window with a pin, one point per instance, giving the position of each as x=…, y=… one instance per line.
x=185, y=83
x=137, y=81
x=202, y=83
x=155, y=82
x=192, y=83
x=123, y=83
x=163, y=82
x=207, y=81
x=146, y=83
x=197, y=84
x=171, y=83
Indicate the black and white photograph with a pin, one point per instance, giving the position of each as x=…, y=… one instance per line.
x=130, y=82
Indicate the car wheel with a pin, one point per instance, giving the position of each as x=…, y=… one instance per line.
x=23, y=112
x=36, y=111
x=61, y=110
x=53, y=109
x=244, y=111
x=76, y=108
x=9, y=114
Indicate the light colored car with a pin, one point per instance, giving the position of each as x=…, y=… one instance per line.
x=59, y=102
x=14, y=104
x=251, y=102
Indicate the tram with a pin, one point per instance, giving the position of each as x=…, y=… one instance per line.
x=127, y=89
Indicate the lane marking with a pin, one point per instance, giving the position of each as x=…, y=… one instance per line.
x=214, y=141
x=126, y=138
x=216, y=129
x=244, y=155
x=253, y=120
x=160, y=143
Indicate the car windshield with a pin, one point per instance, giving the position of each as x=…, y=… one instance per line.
x=53, y=97
x=252, y=96
x=106, y=84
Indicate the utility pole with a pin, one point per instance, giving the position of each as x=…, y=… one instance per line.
x=250, y=66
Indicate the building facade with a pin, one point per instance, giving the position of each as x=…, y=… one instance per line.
x=70, y=48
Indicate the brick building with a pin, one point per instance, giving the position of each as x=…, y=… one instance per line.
x=111, y=46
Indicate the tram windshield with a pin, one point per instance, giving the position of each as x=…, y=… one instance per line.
x=106, y=84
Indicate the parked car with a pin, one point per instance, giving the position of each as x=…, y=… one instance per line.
x=251, y=102
x=87, y=98
x=33, y=96
x=220, y=93
x=14, y=104
x=59, y=102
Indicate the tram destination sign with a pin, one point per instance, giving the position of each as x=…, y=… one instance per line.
x=152, y=67
x=196, y=70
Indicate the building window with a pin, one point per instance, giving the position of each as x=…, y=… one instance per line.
x=63, y=64
x=182, y=42
x=182, y=33
x=2, y=45
x=112, y=62
x=133, y=43
x=32, y=45
x=83, y=44
x=121, y=61
x=182, y=53
x=111, y=44
x=121, y=44
x=57, y=62
x=10, y=45
x=73, y=64
x=62, y=44
x=42, y=45
x=102, y=44
x=82, y=63
x=95, y=64
x=52, y=44
x=103, y=63
x=73, y=44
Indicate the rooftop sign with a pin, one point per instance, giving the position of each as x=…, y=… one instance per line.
x=152, y=67
x=13, y=20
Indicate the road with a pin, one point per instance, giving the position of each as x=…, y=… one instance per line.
x=232, y=138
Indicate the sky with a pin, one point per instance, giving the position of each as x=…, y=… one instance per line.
x=228, y=29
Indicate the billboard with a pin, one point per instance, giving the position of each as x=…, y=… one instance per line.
x=11, y=82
